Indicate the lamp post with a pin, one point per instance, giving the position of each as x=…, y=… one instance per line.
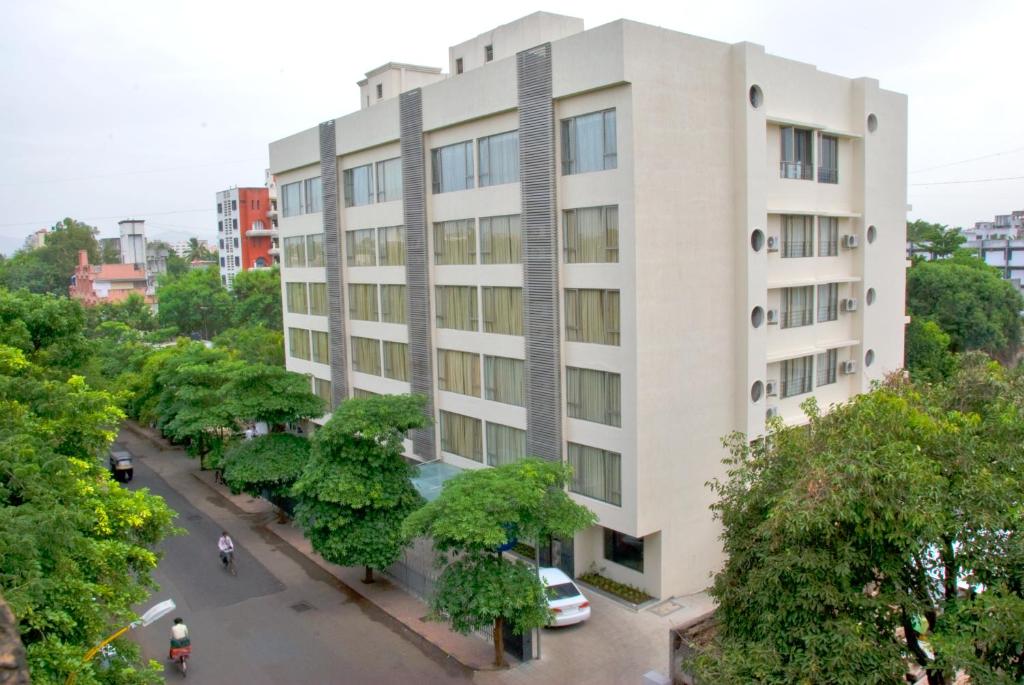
x=153, y=614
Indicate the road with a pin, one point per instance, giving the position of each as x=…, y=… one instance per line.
x=282, y=620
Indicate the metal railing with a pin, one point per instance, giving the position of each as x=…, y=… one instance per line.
x=798, y=317
x=828, y=175
x=800, y=170
x=796, y=386
x=797, y=248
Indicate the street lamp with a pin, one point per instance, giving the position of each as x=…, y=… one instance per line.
x=153, y=614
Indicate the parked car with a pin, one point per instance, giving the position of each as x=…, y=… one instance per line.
x=565, y=601
x=121, y=467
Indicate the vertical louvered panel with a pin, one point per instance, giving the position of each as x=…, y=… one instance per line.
x=332, y=258
x=417, y=278
x=540, y=254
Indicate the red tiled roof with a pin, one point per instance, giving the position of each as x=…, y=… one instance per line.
x=118, y=272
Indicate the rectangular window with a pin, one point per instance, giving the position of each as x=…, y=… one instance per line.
x=295, y=251
x=291, y=199
x=389, y=180
x=596, y=473
x=315, y=249
x=234, y=205
x=313, y=201
x=461, y=435
x=505, y=380
x=360, y=248
x=318, y=299
x=359, y=186
x=500, y=240
x=594, y=395
x=591, y=235
x=452, y=167
x=503, y=310
x=828, y=236
x=298, y=343
x=826, y=363
x=624, y=550
x=456, y=307
x=488, y=53
x=458, y=372
x=322, y=389
x=380, y=91
x=396, y=360
x=455, y=242
x=589, y=143
x=458, y=65
x=220, y=208
x=362, y=301
x=392, y=303
x=505, y=444
x=797, y=306
x=499, y=159
x=592, y=316
x=296, y=296
x=797, y=376
x=359, y=392
x=828, y=171
x=796, y=155
x=828, y=302
x=797, y=236
x=392, y=245
x=366, y=355
x=320, y=347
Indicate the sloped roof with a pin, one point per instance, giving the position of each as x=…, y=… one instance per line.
x=118, y=272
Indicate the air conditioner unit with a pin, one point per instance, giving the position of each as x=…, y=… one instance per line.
x=771, y=387
x=773, y=317
x=847, y=367
x=848, y=304
x=850, y=241
x=773, y=243
x=771, y=412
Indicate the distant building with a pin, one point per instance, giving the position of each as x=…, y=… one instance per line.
x=36, y=240
x=93, y=284
x=245, y=233
x=182, y=247
x=133, y=241
x=1004, y=227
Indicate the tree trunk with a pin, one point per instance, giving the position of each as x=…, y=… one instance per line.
x=368, y=575
x=499, y=646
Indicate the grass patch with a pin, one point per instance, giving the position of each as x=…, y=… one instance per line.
x=629, y=593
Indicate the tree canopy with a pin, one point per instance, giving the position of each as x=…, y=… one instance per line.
x=937, y=240
x=258, y=295
x=254, y=344
x=266, y=464
x=48, y=269
x=195, y=303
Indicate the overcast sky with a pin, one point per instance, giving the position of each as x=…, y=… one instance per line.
x=118, y=108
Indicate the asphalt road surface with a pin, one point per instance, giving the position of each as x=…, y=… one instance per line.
x=282, y=620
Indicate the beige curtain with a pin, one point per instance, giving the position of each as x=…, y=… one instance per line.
x=392, y=245
x=504, y=379
x=591, y=234
x=459, y=372
x=396, y=360
x=362, y=301
x=828, y=236
x=321, y=347
x=456, y=307
x=797, y=236
x=596, y=473
x=797, y=306
x=298, y=343
x=296, y=296
x=461, y=435
x=797, y=376
x=455, y=242
x=366, y=355
x=392, y=303
x=503, y=310
x=295, y=251
x=318, y=299
x=359, y=248
x=593, y=396
x=500, y=240
x=315, y=249
x=592, y=316
x=359, y=392
x=322, y=389
x=505, y=444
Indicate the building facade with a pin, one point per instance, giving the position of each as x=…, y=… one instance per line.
x=245, y=234
x=95, y=284
x=610, y=247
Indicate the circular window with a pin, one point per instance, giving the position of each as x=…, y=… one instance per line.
x=872, y=234
x=756, y=390
x=756, y=96
x=756, y=317
x=870, y=296
x=872, y=122
x=869, y=358
x=757, y=239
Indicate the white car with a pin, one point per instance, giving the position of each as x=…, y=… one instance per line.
x=565, y=601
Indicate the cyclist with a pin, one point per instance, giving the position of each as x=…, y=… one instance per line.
x=226, y=547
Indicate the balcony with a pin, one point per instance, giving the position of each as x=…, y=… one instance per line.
x=261, y=233
x=799, y=170
x=274, y=251
x=828, y=175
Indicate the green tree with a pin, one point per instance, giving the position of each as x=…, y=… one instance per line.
x=937, y=240
x=254, y=344
x=272, y=394
x=267, y=465
x=197, y=252
x=176, y=266
x=195, y=303
x=48, y=269
x=110, y=252
x=476, y=513
x=928, y=358
x=355, y=490
x=258, y=295
x=132, y=311
x=49, y=329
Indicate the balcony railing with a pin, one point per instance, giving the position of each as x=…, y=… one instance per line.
x=797, y=248
x=796, y=318
x=797, y=385
x=827, y=175
x=261, y=232
x=800, y=170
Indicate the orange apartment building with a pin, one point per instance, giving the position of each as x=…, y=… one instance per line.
x=246, y=236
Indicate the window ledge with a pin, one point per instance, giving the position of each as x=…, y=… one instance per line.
x=808, y=350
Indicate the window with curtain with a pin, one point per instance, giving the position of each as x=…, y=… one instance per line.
x=503, y=310
x=366, y=355
x=505, y=380
x=389, y=180
x=452, y=167
x=322, y=389
x=592, y=316
x=797, y=153
x=396, y=360
x=594, y=395
x=458, y=372
x=828, y=236
x=828, y=302
x=826, y=363
x=392, y=303
x=312, y=196
x=360, y=247
x=296, y=296
x=797, y=376
x=591, y=235
x=828, y=170
x=797, y=236
x=589, y=143
x=359, y=392
x=291, y=199
x=318, y=299
x=596, y=473
x=797, y=306
x=320, y=347
x=456, y=307
x=392, y=245
x=295, y=251
x=461, y=435
x=298, y=343
x=362, y=301
x=455, y=242
x=500, y=240
x=505, y=444
x=499, y=159
x=358, y=186
x=315, y=249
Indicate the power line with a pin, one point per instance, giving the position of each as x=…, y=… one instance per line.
x=127, y=173
x=973, y=180
x=965, y=161
x=46, y=222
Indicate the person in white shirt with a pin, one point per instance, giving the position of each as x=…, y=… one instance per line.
x=226, y=547
x=179, y=634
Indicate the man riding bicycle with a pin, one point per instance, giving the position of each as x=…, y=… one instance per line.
x=226, y=547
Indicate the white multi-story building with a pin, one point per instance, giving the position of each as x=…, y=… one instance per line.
x=611, y=247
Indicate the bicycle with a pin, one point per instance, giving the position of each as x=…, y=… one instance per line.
x=227, y=560
x=180, y=655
